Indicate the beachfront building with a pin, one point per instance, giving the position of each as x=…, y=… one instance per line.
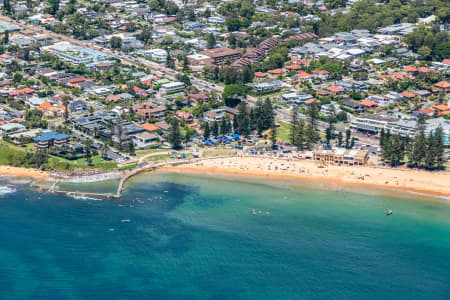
x=51, y=138
x=341, y=156
x=146, y=139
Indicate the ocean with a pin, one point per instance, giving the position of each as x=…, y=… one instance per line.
x=183, y=236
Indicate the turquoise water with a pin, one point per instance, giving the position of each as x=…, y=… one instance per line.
x=217, y=238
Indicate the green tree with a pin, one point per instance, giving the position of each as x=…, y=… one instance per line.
x=116, y=42
x=273, y=135
x=185, y=64
x=174, y=137
x=293, y=137
x=211, y=41
x=206, y=130
x=6, y=37
x=348, y=135
x=438, y=148
x=215, y=128
x=54, y=6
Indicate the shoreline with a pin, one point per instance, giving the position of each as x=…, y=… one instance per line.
x=23, y=172
x=416, y=182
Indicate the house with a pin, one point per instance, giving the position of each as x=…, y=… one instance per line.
x=368, y=104
x=302, y=76
x=354, y=106
x=78, y=106
x=214, y=115
x=442, y=86
x=321, y=74
x=145, y=139
x=275, y=72
x=267, y=86
x=184, y=116
x=10, y=128
x=198, y=98
x=149, y=127
x=172, y=87
x=51, y=139
x=50, y=110
x=408, y=95
x=160, y=55
x=334, y=89
x=163, y=125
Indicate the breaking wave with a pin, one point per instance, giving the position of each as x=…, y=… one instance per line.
x=4, y=190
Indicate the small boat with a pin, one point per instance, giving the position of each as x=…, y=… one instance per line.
x=389, y=212
x=111, y=229
x=125, y=220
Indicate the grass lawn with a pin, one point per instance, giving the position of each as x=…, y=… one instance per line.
x=165, y=157
x=283, y=132
x=219, y=152
x=128, y=167
x=53, y=161
x=140, y=153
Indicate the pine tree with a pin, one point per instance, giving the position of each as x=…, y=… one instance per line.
x=215, y=129
x=340, y=139
x=223, y=127
x=273, y=135
x=293, y=137
x=174, y=137
x=301, y=134
x=419, y=147
x=185, y=64
x=348, y=135
x=6, y=37
x=211, y=41
x=242, y=119
x=382, y=135
x=439, y=148
x=429, y=159
x=206, y=131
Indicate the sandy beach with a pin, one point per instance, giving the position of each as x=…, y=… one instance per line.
x=418, y=181
x=23, y=172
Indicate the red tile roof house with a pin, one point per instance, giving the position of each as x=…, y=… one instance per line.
x=411, y=70
x=149, y=127
x=408, y=95
x=368, y=104
x=426, y=111
x=199, y=98
x=321, y=74
x=310, y=101
x=260, y=75
x=334, y=89
x=303, y=76
x=25, y=91
x=275, y=72
x=442, y=86
x=293, y=67
x=184, y=116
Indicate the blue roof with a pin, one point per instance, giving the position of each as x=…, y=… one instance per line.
x=50, y=135
x=235, y=135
